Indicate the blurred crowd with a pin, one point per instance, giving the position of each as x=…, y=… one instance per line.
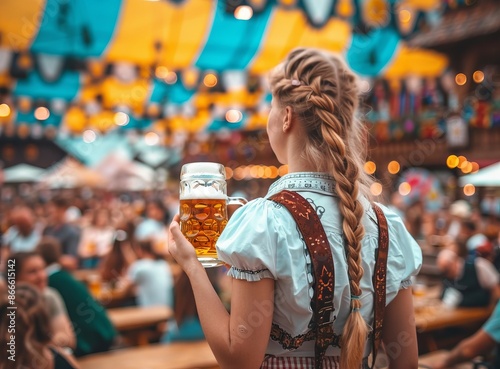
x=461, y=245
x=123, y=239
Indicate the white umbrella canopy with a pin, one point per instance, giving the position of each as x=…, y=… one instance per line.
x=22, y=173
x=71, y=174
x=123, y=174
x=486, y=177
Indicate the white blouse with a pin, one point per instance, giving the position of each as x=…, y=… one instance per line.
x=262, y=240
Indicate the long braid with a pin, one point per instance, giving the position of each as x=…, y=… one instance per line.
x=326, y=101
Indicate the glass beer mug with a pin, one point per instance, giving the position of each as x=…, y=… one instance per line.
x=203, y=208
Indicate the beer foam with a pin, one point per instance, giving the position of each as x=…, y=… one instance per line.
x=202, y=192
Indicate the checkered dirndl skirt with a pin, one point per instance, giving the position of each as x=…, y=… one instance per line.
x=287, y=362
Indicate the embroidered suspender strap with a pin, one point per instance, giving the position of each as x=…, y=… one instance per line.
x=324, y=276
x=379, y=280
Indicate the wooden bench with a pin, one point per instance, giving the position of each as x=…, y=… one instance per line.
x=187, y=355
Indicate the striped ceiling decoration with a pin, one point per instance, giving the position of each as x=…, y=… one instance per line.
x=156, y=59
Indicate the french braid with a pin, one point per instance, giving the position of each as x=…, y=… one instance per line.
x=324, y=95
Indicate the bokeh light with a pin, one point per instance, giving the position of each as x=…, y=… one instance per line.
x=405, y=16
x=404, y=189
x=469, y=190
x=283, y=170
x=478, y=76
x=461, y=160
x=243, y=12
x=161, y=72
x=376, y=189
x=151, y=138
x=171, y=78
x=42, y=113
x=121, y=118
x=452, y=161
x=4, y=110
x=461, y=79
x=89, y=136
x=210, y=80
x=393, y=167
x=234, y=116
x=370, y=167
x=467, y=167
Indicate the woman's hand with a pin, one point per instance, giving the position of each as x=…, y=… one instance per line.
x=180, y=248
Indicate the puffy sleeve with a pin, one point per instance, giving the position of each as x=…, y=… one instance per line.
x=248, y=243
x=405, y=255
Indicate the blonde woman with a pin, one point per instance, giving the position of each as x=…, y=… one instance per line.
x=275, y=321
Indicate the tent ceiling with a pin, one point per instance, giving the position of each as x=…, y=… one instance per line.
x=95, y=58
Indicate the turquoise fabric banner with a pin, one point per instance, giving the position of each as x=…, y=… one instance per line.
x=232, y=43
x=66, y=87
x=80, y=28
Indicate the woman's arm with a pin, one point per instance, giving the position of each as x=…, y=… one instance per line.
x=63, y=332
x=399, y=333
x=479, y=344
x=239, y=339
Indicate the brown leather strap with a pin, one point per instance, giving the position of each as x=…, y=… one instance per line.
x=379, y=280
x=324, y=275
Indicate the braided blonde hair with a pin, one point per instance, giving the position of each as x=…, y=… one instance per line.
x=324, y=96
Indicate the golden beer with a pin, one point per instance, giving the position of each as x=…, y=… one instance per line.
x=202, y=222
x=203, y=208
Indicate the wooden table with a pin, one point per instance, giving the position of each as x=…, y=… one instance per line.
x=136, y=323
x=435, y=318
x=430, y=319
x=186, y=355
x=433, y=357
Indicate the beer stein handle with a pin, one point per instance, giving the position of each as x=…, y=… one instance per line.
x=234, y=203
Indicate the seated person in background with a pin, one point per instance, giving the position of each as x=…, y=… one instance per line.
x=187, y=325
x=67, y=234
x=483, y=342
x=152, y=277
x=33, y=337
x=30, y=268
x=476, y=243
x=114, y=265
x=94, y=331
x=97, y=239
x=474, y=279
x=24, y=234
x=152, y=227
x=459, y=211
